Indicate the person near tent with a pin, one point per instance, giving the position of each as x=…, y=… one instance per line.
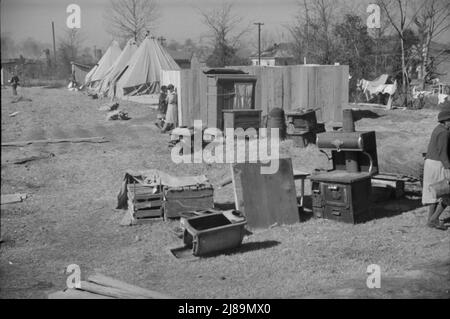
x=73, y=81
x=162, y=107
x=437, y=168
x=172, y=110
x=14, y=83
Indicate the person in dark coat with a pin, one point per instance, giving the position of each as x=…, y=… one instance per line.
x=437, y=168
x=14, y=83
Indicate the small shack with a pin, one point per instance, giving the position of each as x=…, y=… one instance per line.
x=228, y=89
x=321, y=87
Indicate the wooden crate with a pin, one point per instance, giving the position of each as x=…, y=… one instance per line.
x=391, y=182
x=183, y=199
x=302, y=121
x=144, y=202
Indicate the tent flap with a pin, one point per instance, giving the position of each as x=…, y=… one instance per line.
x=142, y=89
x=144, y=68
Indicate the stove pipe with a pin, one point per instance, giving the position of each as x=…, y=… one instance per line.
x=351, y=158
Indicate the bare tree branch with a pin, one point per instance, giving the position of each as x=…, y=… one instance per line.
x=131, y=18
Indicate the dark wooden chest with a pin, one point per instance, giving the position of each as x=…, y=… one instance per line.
x=241, y=118
x=182, y=199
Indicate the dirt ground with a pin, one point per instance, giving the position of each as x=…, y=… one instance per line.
x=70, y=217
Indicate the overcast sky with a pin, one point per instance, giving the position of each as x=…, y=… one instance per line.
x=179, y=18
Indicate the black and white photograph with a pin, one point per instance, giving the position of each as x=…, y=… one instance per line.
x=225, y=154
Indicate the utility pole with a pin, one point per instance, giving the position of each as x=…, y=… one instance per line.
x=259, y=24
x=54, y=42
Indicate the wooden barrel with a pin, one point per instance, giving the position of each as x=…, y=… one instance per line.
x=277, y=121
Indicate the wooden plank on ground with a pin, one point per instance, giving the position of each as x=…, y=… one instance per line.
x=266, y=199
x=96, y=139
x=114, y=283
x=108, y=291
x=12, y=198
x=76, y=294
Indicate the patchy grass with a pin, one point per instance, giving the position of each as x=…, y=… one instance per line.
x=70, y=216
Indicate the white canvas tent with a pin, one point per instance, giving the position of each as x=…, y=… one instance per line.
x=80, y=71
x=108, y=83
x=143, y=72
x=99, y=71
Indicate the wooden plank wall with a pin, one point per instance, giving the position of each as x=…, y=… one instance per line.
x=289, y=87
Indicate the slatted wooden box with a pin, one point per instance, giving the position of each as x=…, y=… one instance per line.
x=145, y=201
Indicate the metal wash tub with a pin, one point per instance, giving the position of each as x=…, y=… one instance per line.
x=212, y=233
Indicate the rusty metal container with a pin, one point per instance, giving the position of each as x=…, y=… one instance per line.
x=212, y=233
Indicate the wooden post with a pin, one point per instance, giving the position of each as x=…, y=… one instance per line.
x=54, y=42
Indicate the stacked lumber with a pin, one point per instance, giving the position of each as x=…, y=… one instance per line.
x=144, y=201
x=102, y=287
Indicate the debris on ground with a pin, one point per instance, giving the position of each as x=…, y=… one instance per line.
x=109, y=107
x=21, y=99
x=13, y=198
x=102, y=287
x=117, y=115
x=13, y=114
x=27, y=159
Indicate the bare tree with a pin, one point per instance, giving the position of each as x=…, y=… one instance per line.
x=131, y=18
x=400, y=14
x=68, y=50
x=312, y=30
x=433, y=20
x=225, y=31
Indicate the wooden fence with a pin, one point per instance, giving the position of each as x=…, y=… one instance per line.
x=324, y=87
